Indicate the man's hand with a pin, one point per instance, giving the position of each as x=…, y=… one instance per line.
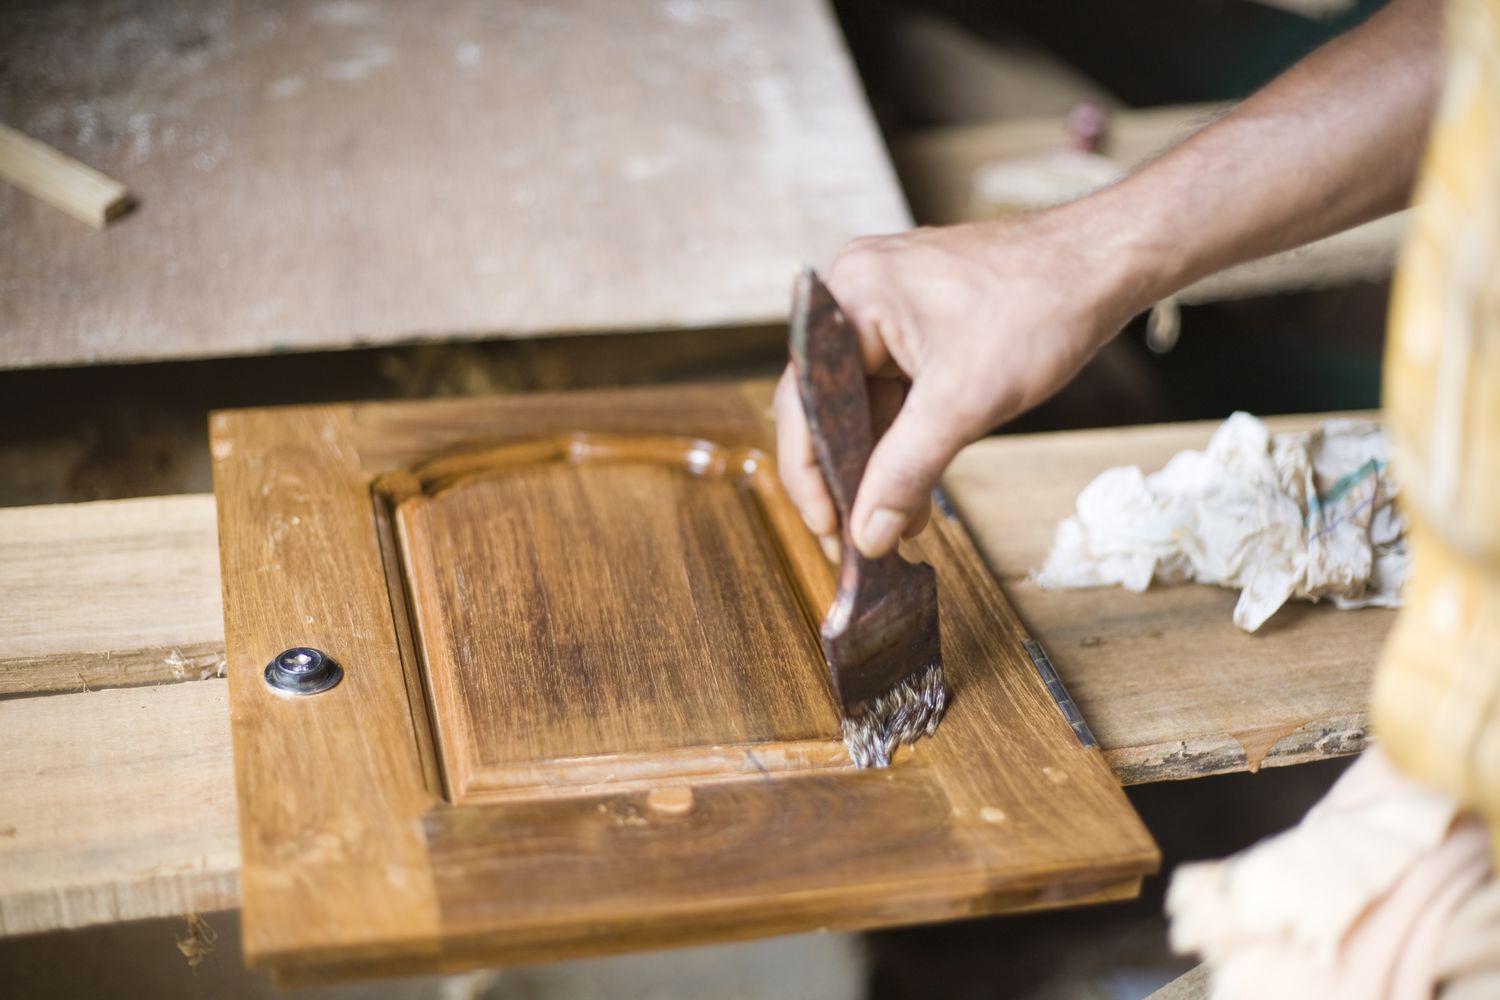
x=982, y=322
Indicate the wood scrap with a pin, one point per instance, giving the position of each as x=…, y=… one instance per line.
x=59, y=180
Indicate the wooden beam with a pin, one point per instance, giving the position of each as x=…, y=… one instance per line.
x=119, y=803
x=59, y=180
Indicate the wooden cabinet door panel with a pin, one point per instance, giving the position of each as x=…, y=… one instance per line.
x=583, y=706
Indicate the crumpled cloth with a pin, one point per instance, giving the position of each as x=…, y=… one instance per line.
x=1301, y=514
x=1384, y=891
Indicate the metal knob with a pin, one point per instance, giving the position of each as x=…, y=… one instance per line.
x=303, y=670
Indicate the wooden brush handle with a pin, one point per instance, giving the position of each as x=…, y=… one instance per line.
x=835, y=397
x=831, y=383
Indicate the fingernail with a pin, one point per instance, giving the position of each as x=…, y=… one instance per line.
x=818, y=529
x=832, y=550
x=881, y=530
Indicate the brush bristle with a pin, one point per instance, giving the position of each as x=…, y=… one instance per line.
x=908, y=711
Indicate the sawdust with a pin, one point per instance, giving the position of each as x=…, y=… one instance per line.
x=200, y=941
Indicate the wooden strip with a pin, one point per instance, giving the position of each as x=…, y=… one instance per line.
x=109, y=594
x=482, y=860
x=310, y=846
x=116, y=805
x=59, y=180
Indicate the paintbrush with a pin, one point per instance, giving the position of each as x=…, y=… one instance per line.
x=881, y=634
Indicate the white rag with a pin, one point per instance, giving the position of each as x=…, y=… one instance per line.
x=1300, y=514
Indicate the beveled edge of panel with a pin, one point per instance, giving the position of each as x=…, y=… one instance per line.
x=448, y=473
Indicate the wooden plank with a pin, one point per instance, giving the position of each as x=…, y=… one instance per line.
x=1154, y=724
x=1004, y=808
x=431, y=171
x=1170, y=686
x=116, y=805
x=109, y=594
x=59, y=180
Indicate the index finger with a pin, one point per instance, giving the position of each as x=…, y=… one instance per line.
x=797, y=464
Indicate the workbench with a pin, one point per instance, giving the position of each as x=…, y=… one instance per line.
x=357, y=173
x=117, y=793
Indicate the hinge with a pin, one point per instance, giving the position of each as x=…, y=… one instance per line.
x=1043, y=664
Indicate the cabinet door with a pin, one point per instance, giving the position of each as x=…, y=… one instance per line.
x=582, y=706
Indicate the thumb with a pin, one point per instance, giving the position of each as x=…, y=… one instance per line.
x=907, y=463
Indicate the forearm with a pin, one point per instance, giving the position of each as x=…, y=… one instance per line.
x=1334, y=142
x=988, y=319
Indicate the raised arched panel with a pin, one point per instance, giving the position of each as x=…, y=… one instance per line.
x=604, y=606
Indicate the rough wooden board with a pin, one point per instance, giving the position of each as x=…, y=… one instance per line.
x=938, y=166
x=1170, y=686
x=351, y=173
x=108, y=594
x=1004, y=810
x=1153, y=725
x=116, y=805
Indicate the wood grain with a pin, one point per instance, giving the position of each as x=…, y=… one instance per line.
x=427, y=172
x=1153, y=724
x=116, y=805
x=108, y=594
x=313, y=552
x=532, y=556
x=1170, y=687
x=557, y=581
x=59, y=180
